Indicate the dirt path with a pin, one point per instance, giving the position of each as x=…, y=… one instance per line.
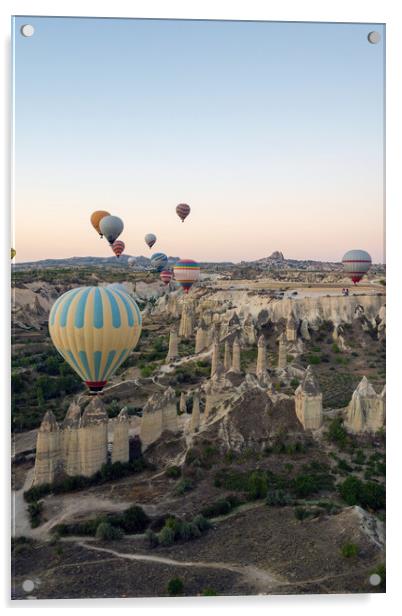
x=259, y=579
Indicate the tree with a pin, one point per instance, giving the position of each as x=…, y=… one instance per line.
x=175, y=587
x=107, y=532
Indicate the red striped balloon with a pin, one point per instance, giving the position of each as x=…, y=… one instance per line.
x=356, y=263
x=183, y=210
x=166, y=276
x=118, y=248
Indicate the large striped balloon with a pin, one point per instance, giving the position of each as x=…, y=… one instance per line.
x=356, y=263
x=183, y=210
x=95, y=329
x=186, y=273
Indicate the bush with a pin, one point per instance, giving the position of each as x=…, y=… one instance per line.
x=220, y=507
x=185, y=531
x=369, y=495
x=335, y=348
x=202, y=523
x=195, y=531
x=133, y=520
x=185, y=485
x=209, y=592
x=278, y=498
x=152, y=538
x=337, y=433
x=349, y=550
x=167, y=536
x=173, y=472
x=35, y=509
x=175, y=587
x=257, y=485
x=107, y=532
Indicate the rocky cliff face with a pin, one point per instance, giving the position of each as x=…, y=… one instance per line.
x=366, y=410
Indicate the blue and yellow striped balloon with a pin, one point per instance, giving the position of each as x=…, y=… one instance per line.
x=95, y=329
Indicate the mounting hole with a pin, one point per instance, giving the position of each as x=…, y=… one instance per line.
x=375, y=579
x=27, y=30
x=28, y=585
x=373, y=37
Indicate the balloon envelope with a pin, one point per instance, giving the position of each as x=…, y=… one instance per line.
x=150, y=239
x=183, y=210
x=118, y=247
x=166, y=276
x=159, y=260
x=95, y=329
x=356, y=263
x=111, y=227
x=96, y=217
x=186, y=273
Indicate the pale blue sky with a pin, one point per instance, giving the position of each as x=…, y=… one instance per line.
x=272, y=132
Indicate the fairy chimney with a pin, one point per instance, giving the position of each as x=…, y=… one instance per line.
x=120, y=449
x=308, y=402
x=71, y=448
x=366, y=410
x=92, y=437
x=48, y=460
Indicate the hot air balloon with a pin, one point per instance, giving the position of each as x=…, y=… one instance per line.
x=186, y=272
x=166, y=276
x=183, y=210
x=95, y=329
x=159, y=260
x=356, y=263
x=13, y=253
x=111, y=227
x=96, y=217
x=118, y=247
x=150, y=239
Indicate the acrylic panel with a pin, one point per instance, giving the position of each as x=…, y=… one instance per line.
x=198, y=308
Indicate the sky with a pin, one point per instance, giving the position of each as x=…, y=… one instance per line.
x=272, y=132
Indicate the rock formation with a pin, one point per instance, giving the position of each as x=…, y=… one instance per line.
x=195, y=414
x=366, y=410
x=120, y=450
x=308, y=402
x=291, y=329
x=173, y=352
x=186, y=322
x=92, y=437
x=201, y=337
x=236, y=355
x=282, y=352
x=261, y=358
x=48, y=462
x=151, y=422
x=215, y=360
x=71, y=449
x=249, y=330
x=227, y=360
x=169, y=411
x=183, y=402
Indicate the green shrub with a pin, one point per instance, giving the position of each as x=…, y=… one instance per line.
x=175, y=587
x=195, y=531
x=220, y=507
x=134, y=520
x=209, y=592
x=278, y=498
x=166, y=536
x=202, y=522
x=349, y=550
x=369, y=495
x=173, y=472
x=335, y=348
x=337, y=433
x=152, y=538
x=257, y=485
x=107, y=532
x=185, y=531
x=185, y=485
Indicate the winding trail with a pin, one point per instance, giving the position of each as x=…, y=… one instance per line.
x=260, y=579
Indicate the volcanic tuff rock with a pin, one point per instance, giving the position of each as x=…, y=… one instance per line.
x=253, y=420
x=366, y=410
